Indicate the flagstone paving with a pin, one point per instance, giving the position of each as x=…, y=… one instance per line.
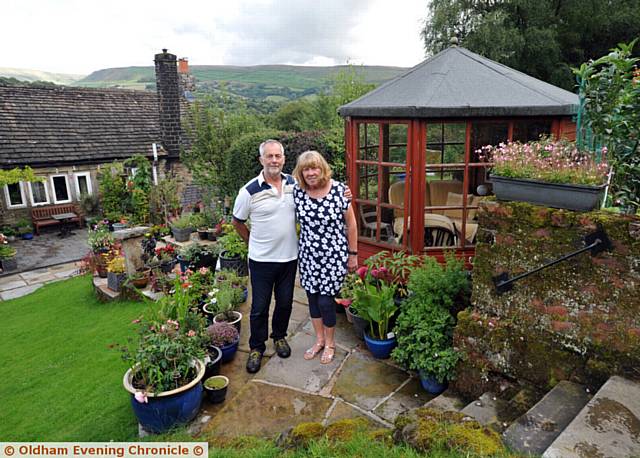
x=286, y=392
x=23, y=283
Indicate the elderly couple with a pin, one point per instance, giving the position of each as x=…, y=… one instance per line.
x=327, y=248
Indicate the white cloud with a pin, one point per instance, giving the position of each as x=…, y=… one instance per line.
x=74, y=36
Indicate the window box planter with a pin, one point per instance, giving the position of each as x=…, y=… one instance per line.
x=556, y=195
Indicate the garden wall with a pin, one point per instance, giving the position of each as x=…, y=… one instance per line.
x=578, y=320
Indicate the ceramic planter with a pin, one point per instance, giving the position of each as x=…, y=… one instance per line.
x=360, y=325
x=206, y=260
x=215, y=388
x=167, y=266
x=119, y=226
x=212, y=361
x=9, y=264
x=202, y=233
x=229, y=351
x=556, y=195
x=431, y=384
x=27, y=236
x=115, y=280
x=236, y=322
x=184, y=264
x=234, y=263
x=380, y=349
x=166, y=409
x=181, y=235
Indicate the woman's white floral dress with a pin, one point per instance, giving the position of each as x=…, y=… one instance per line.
x=323, y=246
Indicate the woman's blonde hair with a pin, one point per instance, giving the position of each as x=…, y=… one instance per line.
x=311, y=160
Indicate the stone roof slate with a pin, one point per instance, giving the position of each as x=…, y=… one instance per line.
x=44, y=126
x=459, y=83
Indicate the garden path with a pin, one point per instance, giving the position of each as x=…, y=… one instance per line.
x=23, y=283
x=289, y=391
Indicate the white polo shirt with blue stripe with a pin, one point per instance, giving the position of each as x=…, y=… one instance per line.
x=273, y=235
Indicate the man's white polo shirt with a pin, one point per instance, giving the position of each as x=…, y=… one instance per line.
x=273, y=235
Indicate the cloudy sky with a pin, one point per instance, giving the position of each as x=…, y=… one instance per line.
x=80, y=36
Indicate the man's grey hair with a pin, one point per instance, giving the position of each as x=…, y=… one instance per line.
x=269, y=142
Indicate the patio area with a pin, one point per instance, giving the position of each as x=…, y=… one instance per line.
x=48, y=249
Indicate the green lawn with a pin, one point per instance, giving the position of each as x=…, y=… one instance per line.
x=60, y=379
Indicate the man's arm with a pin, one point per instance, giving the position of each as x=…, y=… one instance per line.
x=242, y=229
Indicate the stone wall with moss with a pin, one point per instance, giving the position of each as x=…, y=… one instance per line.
x=577, y=320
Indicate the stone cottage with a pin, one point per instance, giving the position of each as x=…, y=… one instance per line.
x=66, y=134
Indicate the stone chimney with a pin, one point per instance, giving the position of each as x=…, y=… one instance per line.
x=168, y=101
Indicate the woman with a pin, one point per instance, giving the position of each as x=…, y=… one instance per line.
x=328, y=245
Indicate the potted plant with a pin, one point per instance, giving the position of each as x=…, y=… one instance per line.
x=166, y=368
x=233, y=251
x=215, y=388
x=9, y=233
x=166, y=256
x=8, y=259
x=182, y=228
x=226, y=337
x=119, y=224
x=116, y=273
x=159, y=281
x=231, y=277
x=424, y=328
x=221, y=305
x=212, y=361
x=99, y=239
x=375, y=303
x=547, y=172
x=199, y=221
x=24, y=229
x=140, y=279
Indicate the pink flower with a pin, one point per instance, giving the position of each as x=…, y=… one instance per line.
x=136, y=321
x=374, y=273
x=203, y=270
x=191, y=333
x=362, y=272
x=141, y=397
x=173, y=322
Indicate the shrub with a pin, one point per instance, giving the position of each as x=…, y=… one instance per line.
x=221, y=334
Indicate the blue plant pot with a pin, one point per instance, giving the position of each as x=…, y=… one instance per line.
x=380, y=349
x=245, y=294
x=165, y=410
x=184, y=265
x=229, y=351
x=431, y=384
x=27, y=236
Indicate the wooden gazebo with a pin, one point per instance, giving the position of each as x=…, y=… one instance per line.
x=411, y=147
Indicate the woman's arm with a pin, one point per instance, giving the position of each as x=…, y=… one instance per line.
x=352, y=238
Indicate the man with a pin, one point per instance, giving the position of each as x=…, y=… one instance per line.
x=273, y=250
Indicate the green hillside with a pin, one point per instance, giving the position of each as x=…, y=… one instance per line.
x=23, y=74
x=262, y=82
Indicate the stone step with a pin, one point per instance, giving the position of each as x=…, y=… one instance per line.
x=446, y=401
x=488, y=410
x=609, y=425
x=534, y=431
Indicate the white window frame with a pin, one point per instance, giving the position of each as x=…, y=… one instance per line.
x=46, y=193
x=24, y=198
x=53, y=189
x=77, y=182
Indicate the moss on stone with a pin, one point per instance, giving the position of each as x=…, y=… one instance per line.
x=304, y=432
x=344, y=429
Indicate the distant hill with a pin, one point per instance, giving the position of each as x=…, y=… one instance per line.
x=262, y=82
x=38, y=75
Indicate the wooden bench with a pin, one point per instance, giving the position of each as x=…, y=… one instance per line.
x=43, y=216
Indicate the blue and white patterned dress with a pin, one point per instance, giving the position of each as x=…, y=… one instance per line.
x=323, y=246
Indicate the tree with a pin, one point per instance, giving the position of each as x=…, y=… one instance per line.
x=543, y=38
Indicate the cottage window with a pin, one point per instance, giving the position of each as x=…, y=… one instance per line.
x=60, y=187
x=83, y=184
x=14, y=194
x=39, y=193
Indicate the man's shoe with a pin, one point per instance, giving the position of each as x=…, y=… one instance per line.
x=282, y=348
x=253, y=363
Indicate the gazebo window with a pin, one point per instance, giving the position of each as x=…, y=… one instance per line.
x=382, y=179
x=525, y=131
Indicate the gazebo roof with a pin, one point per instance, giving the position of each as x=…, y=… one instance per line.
x=459, y=83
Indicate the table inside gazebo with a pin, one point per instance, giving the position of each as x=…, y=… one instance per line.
x=436, y=220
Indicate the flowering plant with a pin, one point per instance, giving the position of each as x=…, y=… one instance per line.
x=166, y=253
x=221, y=334
x=163, y=355
x=548, y=160
x=375, y=300
x=99, y=238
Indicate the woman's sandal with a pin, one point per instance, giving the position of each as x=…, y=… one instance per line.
x=313, y=351
x=328, y=354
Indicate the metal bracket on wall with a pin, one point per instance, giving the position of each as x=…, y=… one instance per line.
x=597, y=242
